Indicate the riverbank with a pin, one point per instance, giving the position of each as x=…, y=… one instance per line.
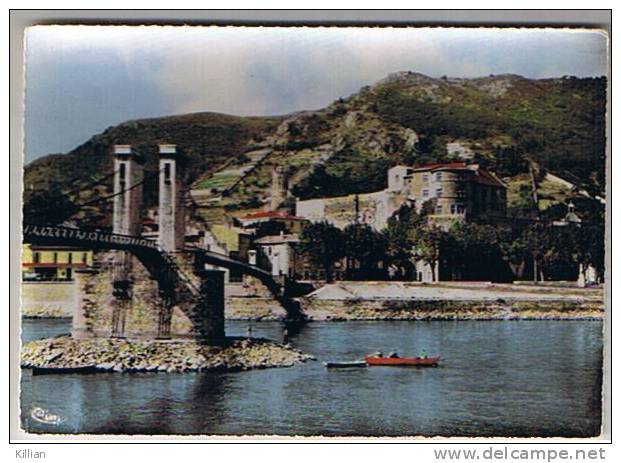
x=347, y=300
x=175, y=356
x=451, y=301
x=448, y=310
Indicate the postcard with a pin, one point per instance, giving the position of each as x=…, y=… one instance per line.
x=314, y=231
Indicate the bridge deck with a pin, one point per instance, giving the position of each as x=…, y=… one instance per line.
x=98, y=239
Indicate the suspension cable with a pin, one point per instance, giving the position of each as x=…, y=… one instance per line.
x=105, y=198
x=77, y=207
x=92, y=184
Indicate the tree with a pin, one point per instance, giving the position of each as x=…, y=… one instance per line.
x=365, y=248
x=399, y=246
x=49, y=206
x=536, y=238
x=591, y=236
x=428, y=242
x=472, y=251
x=515, y=252
x=582, y=245
x=323, y=244
x=400, y=235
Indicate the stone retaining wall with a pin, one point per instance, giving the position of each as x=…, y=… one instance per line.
x=449, y=310
x=253, y=308
x=47, y=299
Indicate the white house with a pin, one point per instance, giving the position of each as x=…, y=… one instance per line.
x=279, y=250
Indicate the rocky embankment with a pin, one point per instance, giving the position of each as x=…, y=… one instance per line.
x=159, y=356
x=444, y=310
x=42, y=311
x=451, y=301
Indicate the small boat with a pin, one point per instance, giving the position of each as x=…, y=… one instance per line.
x=67, y=370
x=403, y=362
x=349, y=364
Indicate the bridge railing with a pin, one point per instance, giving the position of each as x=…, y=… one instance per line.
x=93, y=237
x=58, y=234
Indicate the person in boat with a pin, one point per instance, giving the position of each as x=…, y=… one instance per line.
x=393, y=355
x=378, y=354
x=423, y=354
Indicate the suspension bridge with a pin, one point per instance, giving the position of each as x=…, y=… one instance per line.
x=200, y=296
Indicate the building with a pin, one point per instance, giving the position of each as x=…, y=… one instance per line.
x=275, y=235
x=446, y=192
x=280, y=253
x=289, y=223
x=450, y=192
x=53, y=262
x=454, y=190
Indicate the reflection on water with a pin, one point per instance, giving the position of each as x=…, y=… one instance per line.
x=527, y=378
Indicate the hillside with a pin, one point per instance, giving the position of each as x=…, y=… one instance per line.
x=500, y=121
x=208, y=140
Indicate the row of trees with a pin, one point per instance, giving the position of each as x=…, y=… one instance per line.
x=471, y=251
x=365, y=249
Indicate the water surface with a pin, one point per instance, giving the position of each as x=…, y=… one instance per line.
x=504, y=378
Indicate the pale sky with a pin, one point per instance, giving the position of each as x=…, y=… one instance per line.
x=82, y=79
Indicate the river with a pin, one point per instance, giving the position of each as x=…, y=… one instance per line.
x=498, y=378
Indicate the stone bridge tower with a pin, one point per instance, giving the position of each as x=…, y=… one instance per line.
x=128, y=175
x=171, y=224
x=197, y=303
x=171, y=238
x=171, y=213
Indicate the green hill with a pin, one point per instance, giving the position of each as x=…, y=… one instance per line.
x=501, y=121
x=208, y=141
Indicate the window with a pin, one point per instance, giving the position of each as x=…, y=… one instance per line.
x=36, y=257
x=438, y=176
x=425, y=193
x=84, y=257
x=122, y=176
x=167, y=173
x=425, y=178
x=55, y=258
x=69, y=257
x=439, y=209
x=439, y=191
x=457, y=209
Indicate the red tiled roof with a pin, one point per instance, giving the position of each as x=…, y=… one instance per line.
x=480, y=175
x=444, y=165
x=271, y=215
x=487, y=178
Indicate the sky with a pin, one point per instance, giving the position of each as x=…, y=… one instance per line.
x=81, y=80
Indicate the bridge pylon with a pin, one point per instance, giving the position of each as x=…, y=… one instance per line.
x=171, y=213
x=128, y=177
